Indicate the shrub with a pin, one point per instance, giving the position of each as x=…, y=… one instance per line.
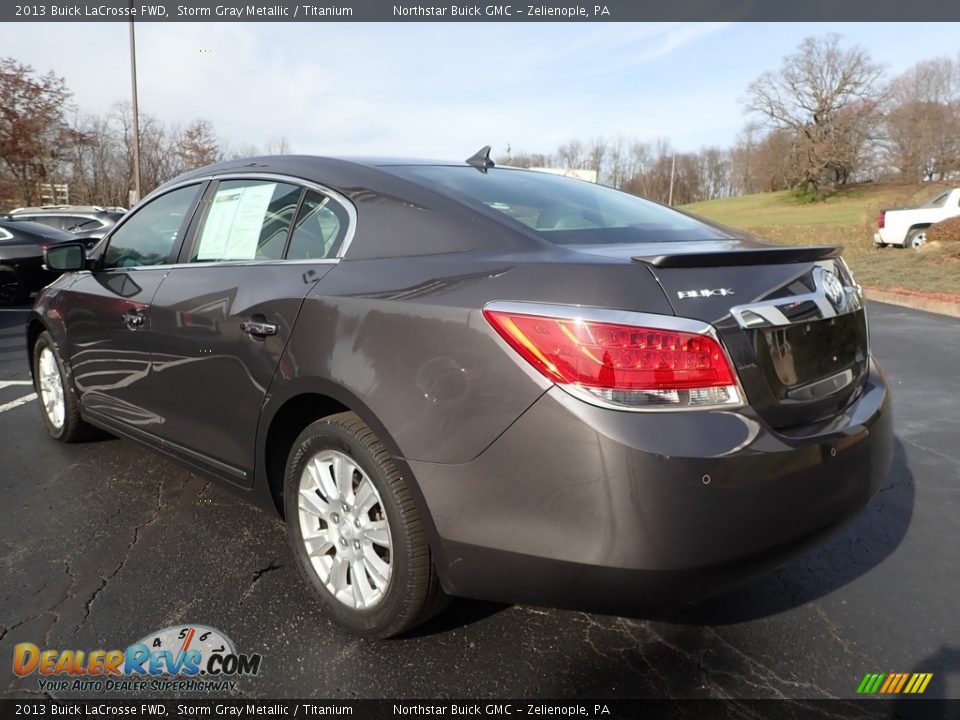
x=945, y=231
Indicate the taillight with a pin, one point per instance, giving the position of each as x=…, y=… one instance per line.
x=629, y=365
x=881, y=219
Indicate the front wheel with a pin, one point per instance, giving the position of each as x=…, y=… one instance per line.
x=59, y=402
x=355, y=530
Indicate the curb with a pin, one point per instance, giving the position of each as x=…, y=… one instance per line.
x=915, y=300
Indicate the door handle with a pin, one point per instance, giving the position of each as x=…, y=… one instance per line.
x=259, y=328
x=133, y=320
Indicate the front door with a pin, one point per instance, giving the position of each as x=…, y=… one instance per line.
x=107, y=315
x=222, y=317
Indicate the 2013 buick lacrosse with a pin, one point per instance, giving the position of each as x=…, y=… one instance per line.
x=456, y=379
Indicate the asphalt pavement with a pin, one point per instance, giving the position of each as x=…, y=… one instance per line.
x=103, y=542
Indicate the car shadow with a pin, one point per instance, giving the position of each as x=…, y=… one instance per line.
x=934, y=703
x=460, y=613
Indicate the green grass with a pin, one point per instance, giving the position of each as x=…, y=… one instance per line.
x=847, y=218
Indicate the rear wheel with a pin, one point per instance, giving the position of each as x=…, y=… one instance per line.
x=59, y=402
x=916, y=238
x=355, y=530
x=12, y=291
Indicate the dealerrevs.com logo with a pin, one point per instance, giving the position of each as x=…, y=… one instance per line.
x=179, y=657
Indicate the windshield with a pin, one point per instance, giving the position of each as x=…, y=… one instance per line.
x=562, y=210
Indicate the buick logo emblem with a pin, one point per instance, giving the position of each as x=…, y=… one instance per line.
x=832, y=287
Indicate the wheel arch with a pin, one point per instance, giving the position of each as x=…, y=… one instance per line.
x=288, y=412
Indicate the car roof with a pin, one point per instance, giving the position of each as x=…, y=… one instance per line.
x=34, y=228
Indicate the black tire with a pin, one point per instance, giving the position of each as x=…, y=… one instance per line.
x=73, y=429
x=413, y=593
x=12, y=291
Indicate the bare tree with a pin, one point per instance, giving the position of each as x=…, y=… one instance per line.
x=31, y=124
x=198, y=146
x=923, y=122
x=828, y=98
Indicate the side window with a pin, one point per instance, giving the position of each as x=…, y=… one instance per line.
x=148, y=237
x=82, y=224
x=320, y=228
x=247, y=220
x=54, y=221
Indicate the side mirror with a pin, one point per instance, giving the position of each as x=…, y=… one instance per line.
x=66, y=256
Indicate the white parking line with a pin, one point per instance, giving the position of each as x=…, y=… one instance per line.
x=14, y=309
x=8, y=383
x=18, y=402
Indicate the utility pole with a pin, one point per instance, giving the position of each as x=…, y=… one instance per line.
x=136, y=117
x=673, y=173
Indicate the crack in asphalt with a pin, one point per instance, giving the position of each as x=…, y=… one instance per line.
x=154, y=516
x=257, y=574
x=939, y=454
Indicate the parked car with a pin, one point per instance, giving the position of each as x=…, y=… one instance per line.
x=460, y=379
x=21, y=258
x=907, y=227
x=89, y=220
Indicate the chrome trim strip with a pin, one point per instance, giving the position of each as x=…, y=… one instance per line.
x=622, y=317
x=771, y=313
x=822, y=388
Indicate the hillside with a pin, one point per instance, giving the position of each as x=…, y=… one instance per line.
x=846, y=217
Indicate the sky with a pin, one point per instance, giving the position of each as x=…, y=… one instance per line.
x=443, y=90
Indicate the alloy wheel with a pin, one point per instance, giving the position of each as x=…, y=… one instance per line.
x=51, y=388
x=345, y=529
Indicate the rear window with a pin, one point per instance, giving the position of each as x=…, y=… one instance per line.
x=562, y=210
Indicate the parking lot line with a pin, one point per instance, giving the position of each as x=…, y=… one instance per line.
x=18, y=402
x=8, y=383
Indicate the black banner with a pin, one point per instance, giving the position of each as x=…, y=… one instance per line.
x=430, y=11
x=503, y=709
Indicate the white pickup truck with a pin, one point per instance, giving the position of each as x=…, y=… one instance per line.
x=907, y=227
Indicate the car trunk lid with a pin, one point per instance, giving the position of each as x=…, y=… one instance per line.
x=791, y=318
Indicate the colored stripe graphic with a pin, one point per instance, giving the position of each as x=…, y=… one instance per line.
x=894, y=683
x=903, y=681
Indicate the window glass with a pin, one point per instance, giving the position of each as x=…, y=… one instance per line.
x=79, y=224
x=938, y=201
x=54, y=221
x=562, y=210
x=320, y=228
x=247, y=220
x=148, y=237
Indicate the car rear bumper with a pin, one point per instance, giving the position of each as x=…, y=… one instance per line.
x=580, y=506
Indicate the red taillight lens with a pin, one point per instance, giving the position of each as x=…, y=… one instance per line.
x=618, y=361
x=881, y=219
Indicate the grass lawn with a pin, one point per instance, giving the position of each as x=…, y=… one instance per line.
x=847, y=218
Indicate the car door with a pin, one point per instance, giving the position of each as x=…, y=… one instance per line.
x=106, y=311
x=222, y=317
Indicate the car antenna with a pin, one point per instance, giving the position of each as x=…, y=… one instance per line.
x=481, y=159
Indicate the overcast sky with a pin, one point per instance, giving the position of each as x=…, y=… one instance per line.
x=444, y=89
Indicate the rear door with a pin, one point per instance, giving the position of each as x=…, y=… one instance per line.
x=107, y=311
x=223, y=315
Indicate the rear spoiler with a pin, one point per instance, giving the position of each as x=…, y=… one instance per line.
x=751, y=256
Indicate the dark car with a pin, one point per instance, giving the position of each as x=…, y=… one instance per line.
x=21, y=258
x=92, y=221
x=459, y=379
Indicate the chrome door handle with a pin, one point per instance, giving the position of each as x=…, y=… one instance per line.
x=259, y=328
